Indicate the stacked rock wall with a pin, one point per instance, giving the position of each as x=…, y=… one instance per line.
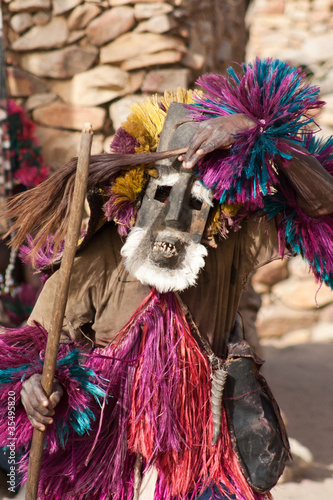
x=294, y=308
x=72, y=61
x=301, y=32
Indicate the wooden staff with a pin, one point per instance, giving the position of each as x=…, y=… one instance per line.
x=60, y=300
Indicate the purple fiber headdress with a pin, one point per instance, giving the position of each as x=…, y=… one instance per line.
x=277, y=98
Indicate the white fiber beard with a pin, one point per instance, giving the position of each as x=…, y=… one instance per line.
x=135, y=253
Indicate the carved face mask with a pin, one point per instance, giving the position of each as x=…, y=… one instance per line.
x=164, y=248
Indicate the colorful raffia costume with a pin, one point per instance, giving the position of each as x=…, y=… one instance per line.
x=137, y=378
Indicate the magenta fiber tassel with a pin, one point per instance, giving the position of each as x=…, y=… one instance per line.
x=44, y=257
x=122, y=211
x=123, y=142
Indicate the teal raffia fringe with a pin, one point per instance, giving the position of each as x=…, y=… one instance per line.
x=303, y=235
x=278, y=99
x=21, y=356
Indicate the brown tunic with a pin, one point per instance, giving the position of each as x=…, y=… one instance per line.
x=103, y=296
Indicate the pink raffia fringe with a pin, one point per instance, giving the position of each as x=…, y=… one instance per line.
x=157, y=404
x=21, y=356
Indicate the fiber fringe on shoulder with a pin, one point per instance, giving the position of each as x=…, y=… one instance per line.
x=279, y=100
x=311, y=238
x=21, y=356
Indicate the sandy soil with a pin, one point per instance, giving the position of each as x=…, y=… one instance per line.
x=301, y=379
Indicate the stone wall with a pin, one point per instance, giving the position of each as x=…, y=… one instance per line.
x=72, y=61
x=301, y=32
x=294, y=308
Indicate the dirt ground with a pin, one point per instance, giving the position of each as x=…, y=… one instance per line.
x=301, y=379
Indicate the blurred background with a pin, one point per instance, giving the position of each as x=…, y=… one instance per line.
x=66, y=62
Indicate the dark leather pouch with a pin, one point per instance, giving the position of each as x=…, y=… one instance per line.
x=257, y=431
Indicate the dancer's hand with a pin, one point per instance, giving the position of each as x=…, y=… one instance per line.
x=39, y=408
x=216, y=133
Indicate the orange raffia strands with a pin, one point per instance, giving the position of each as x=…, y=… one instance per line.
x=178, y=440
